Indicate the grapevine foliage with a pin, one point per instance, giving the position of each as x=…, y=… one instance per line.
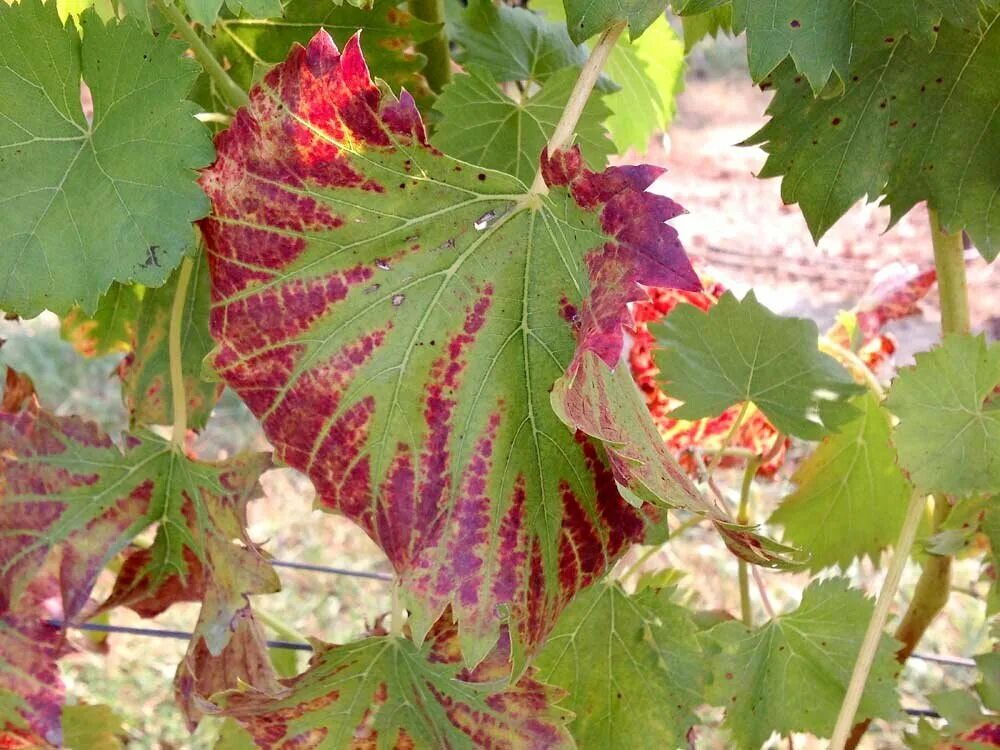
x=488, y=349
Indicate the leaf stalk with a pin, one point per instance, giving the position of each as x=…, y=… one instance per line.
x=177, y=392
x=585, y=83
x=235, y=95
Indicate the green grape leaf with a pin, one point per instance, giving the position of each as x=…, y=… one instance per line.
x=83, y=204
x=513, y=44
x=831, y=38
x=482, y=125
x=762, y=675
x=390, y=33
x=850, y=497
x=146, y=387
x=990, y=526
x=388, y=692
x=632, y=666
x=737, y=351
x=913, y=124
x=650, y=71
x=395, y=318
x=706, y=23
x=585, y=18
x=92, y=728
x=111, y=328
x=966, y=726
x=206, y=12
x=949, y=417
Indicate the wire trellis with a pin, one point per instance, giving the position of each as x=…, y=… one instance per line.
x=942, y=659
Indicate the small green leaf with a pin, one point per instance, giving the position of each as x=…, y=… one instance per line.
x=482, y=125
x=85, y=203
x=790, y=675
x=740, y=351
x=206, y=12
x=709, y=23
x=513, y=44
x=92, y=728
x=585, y=18
x=632, y=666
x=949, y=417
x=111, y=328
x=851, y=496
x=650, y=71
x=146, y=386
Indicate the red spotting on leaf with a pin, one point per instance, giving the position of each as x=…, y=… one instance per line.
x=756, y=433
x=134, y=587
x=315, y=325
x=17, y=389
x=647, y=252
x=987, y=733
x=29, y=648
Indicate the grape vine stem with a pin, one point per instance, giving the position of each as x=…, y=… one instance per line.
x=233, y=93
x=563, y=133
x=177, y=392
x=934, y=585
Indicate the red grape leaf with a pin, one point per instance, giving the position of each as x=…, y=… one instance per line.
x=385, y=691
x=31, y=690
x=64, y=486
x=395, y=319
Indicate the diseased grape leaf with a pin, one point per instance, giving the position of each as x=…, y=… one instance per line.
x=83, y=204
x=67, y=486
x=949, y=417
x=111, y=327
x=790, y=675
x=913, y=124
x=850, y=497
x=632, y=666
x=482, y=125
x=384, y=691
x=513, y=44
x=967, y=727
x=585, y=18
x=737, y=351
x=145, y=374
x=389, y=32
x=395, y=317
x=31, y=689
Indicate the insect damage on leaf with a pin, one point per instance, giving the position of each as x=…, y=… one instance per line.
x=395, y=317
x=384, y=691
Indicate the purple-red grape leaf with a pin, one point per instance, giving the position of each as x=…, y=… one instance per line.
x=66, y=487
x=387, y=692
x=395, y=318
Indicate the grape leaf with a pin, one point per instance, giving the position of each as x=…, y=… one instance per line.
x=482, y=125
x=146, y=387
x=83, y=204
x=31, y=689
x=584, y=18
x=390, y=34
x=111, y=327
x=761, y=675
x=738, y=350
x=67, y=486
x=513, y=44
x=366, y=311
x=913, y=124
x=92, y=728
x=206, y=12
x=967, y=727
x=949, y=417
x=650, y=71
x=706, y=23
x=850, y=497
x=632, y=666
x=385, y=691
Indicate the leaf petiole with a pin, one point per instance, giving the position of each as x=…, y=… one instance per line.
x=177, y=391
